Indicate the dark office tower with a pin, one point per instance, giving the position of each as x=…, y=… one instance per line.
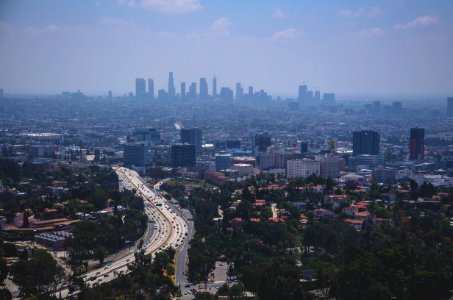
x=183, y=90
x=450, y=106
x=260, y=143
x=239, y=91
x=192, y=136
x=226, y=94
x=171, y=86
x=192, y=91
x=417, y=143
x=140, y=88
x=214, y=87
x=365, y=142
x=135, y=155
x=302, y=97
x=150, y=88
x=203, y=89
x=328, y=98
x=377, y=107
x=183, y=155
x=317, y=95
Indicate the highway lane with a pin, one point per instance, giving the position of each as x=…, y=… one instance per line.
x=166, y=228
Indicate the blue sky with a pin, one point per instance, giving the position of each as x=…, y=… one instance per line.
x=392, y=47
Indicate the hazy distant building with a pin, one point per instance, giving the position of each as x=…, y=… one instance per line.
x=250, y=93
x=302, y=168
x=214, y=87
x=1, y=93
x=365, y=142
x=171, y=86
x=317, y=95
x=146, y=135
x=140, y=88
x=109, y=95
x=222, y=161
x=303, y=147
x=302, y=95
x=203, y=89
x=328, y=98
x=192, y=136
x=151, y=88
x=226, y=94
x=417, y=143
x=450, y=106
x=161, y=94
x=183, y=90
x=397, y=107
x=183, y=155
x=192, y=91
x=239, y=91
x=376, y=107
x=135, y=155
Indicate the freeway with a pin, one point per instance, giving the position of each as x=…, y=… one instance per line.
x=167, y=227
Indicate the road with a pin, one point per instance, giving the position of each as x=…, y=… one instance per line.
x=167, y=227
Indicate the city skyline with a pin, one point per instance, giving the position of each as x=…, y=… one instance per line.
x=381, y=48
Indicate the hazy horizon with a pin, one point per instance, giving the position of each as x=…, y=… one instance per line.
x=354, y=49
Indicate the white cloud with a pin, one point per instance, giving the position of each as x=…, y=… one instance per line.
x=372, y=11
x=221, y=25
x=423, y=21
x=286, y=34
x=167, y=6
x=279, y=14
x=371, y=32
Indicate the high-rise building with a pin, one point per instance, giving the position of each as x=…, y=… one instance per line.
x=302, y=168
x=328, y=98
x=140, y=88
x=1, y=93
x=260, y=142
x=183, y=90
x=192, y=136
x=365, y=142
x=384, y=175
x=239, y=91
x=450, y=106
x=377, y=107
x=135, y=155
x=222, y=161
x=151, y=88
x=110, y=95
x=183, y=155
x=146, y=135
x=417, y=143
x=331, y=166
x=171, y=86
x=302, y=97
x=203, y=89
x=214, y=87
x=192, y=91
x=161, y=94
x=317, y=95
x=226, y=94
x=250, y=93
x=397, y=107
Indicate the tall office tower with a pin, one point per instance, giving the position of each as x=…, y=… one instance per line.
x=317, y=95
x=239, y=91
x=222, y=161
x=151, y=88
x=365, y=142
x=203, y=89
x=183, y=155
x=310, y=96
x=260, y=142
x=302, y=97
x=377, y=107
x=171, y=86
x=192, y=136
x=450, y=106
x=192, y=91
x=135, y=155
x=328, y=98
x=183, y=90
x=110, y=94
x=140, y=88
x=226, y=94
x=214, y=87
x=250, y=93
x=161, y=94
x=417, y=143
